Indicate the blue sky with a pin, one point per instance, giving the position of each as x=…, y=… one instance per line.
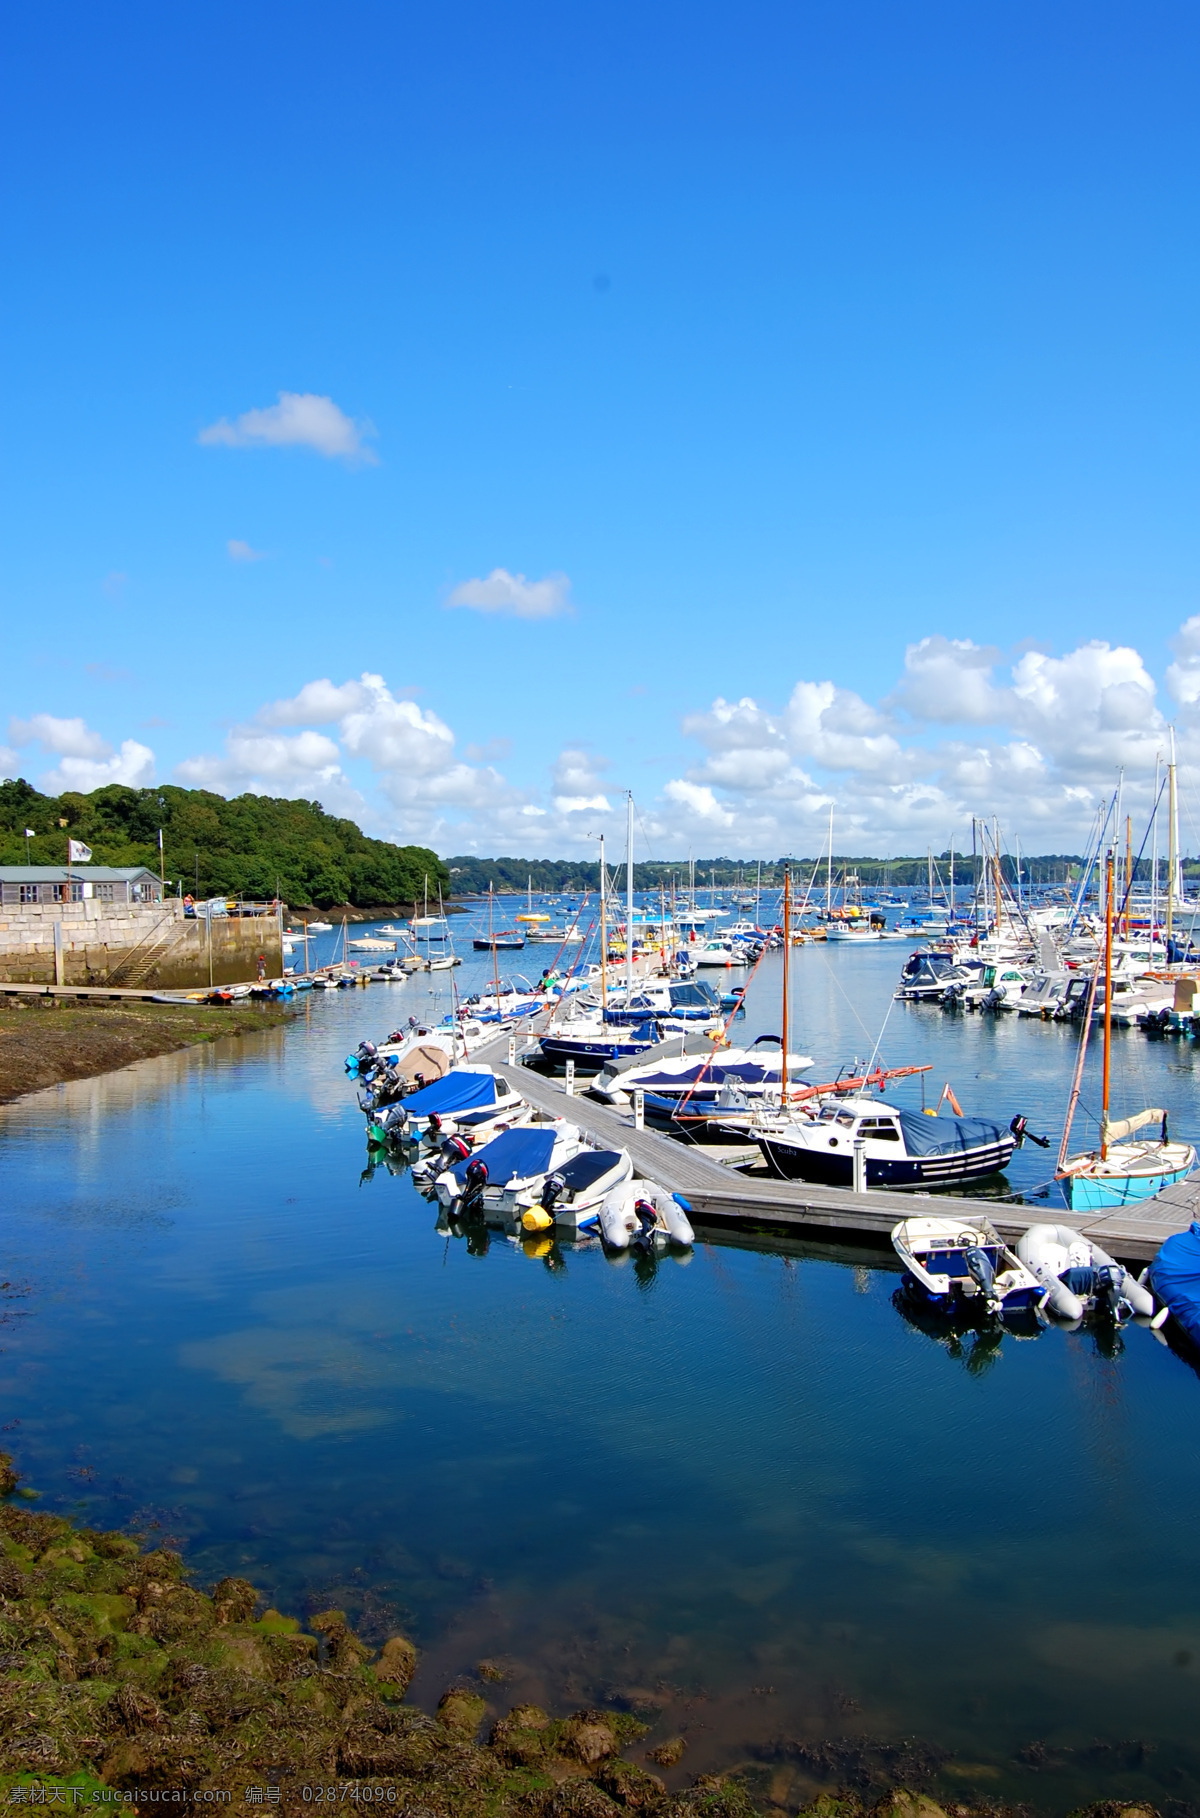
x=767, y=345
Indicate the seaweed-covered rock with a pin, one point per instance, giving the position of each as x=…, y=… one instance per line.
x=234, y=1600
x=461, y=1711
x=8, y=1477
x=669, y=1753
x=397, y=1663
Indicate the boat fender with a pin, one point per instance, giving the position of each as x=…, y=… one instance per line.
x=536, y=1218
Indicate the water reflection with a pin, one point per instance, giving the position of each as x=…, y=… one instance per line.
x=237, y=1334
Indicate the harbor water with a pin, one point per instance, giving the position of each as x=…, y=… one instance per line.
x=739, y=1492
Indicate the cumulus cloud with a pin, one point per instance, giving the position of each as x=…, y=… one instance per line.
x=243, y=552
x=86, y=758
x=301, y=419
x=1183, y=675
x=512, y=593
x=577, y=782
x=320, y=703
x=949, y=681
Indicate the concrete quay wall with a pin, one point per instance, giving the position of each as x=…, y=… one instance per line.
x=137, y=944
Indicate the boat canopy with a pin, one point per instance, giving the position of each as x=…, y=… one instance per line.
x=925, y=1135
x=513, y=1155
x=1175, y=1278
x=458, y=1091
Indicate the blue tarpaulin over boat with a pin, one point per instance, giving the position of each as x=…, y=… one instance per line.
x=512, y=1156
x=1175, y=1278
x=947, y=1135
x=458, y=1091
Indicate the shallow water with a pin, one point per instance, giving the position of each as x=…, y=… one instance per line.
x=741, y=1487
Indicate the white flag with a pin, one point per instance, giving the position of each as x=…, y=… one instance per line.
x=77, y=852
x=30, y=833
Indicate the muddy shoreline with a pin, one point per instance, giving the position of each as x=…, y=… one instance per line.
x=46, y=1041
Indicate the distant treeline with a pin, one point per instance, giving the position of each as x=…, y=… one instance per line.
x=253, y=846
x=471, y=875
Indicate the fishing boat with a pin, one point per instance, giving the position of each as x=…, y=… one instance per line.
x=900, y=1149
x=954, y=1259
x=1119, y=1172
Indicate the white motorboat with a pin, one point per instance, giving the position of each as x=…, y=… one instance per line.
x=320, y=928
x=506, y=1176
x=573, y=1197
x=718, y=952
x=757, y=1072
x=369, y=943
x=1079, y=1276
x=951, y=1260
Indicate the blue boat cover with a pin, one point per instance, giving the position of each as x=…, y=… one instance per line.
x=457, y=1091
x=511, y=1156
x=1175, y=1278
x=947, y=1135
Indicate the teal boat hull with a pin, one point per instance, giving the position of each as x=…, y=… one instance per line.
x=1086, y=1193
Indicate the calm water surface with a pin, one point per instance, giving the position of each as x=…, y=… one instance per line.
x=740, y=1487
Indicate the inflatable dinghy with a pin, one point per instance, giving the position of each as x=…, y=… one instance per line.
x=644, y=1214
x=1079, y=1276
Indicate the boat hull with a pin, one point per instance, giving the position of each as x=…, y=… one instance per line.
x=1098, y=1193
x=895, y=1173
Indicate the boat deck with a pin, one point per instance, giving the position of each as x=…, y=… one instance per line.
x=719, y=1194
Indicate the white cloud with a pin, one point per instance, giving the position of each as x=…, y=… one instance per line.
x=242, y=552
x=66, y=738
x=698, y=803
x=949, y=681
x=1183, y=675
x=503, y=592
x=301, y=419
x=577, y=781
x=9, y=763
x=320, y=703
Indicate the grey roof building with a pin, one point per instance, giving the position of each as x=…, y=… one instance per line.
x=79, y=883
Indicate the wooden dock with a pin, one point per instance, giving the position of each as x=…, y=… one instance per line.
x=721, y=1195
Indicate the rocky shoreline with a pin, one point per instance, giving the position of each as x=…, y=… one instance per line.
x=45, y=1041
x=125, y=1686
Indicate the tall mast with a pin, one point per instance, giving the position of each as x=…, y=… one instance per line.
x=829, y=873
x=1173, y=836
x=787, y=960
x=950, y=889
x=1154, y=859
x=1108, y=997
x=603, y=933
x=629, y=897
x=1128, y=870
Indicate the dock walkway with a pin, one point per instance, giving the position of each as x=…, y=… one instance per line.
x=720, y=1194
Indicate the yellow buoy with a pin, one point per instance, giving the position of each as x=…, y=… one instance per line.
x=536, y=1219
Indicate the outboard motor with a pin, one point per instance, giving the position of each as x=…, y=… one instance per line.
x=394, y=1122
x=647, y=1217
x=979, y=1265
x=433, y=1124
x=1020, y=1129
x=473, y=1187
x=552, y=1189
x=455, y=1149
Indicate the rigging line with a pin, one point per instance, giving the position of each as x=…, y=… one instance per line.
x=837, y=981
x=882, y=1027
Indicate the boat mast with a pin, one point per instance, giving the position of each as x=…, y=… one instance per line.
x=950, y=887
x=603, y=934
x=1108, y=999
x=829, y=873
x=492, y=943
x=1128, y=869
x=1173, y=836
x=787, y=960
x=629, y=897
x=1154, y=858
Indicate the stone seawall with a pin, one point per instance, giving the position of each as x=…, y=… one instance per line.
x=140, y=945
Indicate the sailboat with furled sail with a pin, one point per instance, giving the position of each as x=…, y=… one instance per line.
x=1119, y=1172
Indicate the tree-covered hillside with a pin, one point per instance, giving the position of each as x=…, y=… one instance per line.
x=250, y=846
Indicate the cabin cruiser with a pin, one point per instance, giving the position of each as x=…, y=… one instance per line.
x=930, y=972
x=950, y=1260
x=719, y=951
x=1044, y=995
x=755, y=1071
x=997, y=987
x=900, y=1149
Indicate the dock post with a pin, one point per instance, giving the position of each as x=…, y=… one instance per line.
x=512, y=1050
x=860, y=1165
x=569, y=1087
x=639, y=1109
